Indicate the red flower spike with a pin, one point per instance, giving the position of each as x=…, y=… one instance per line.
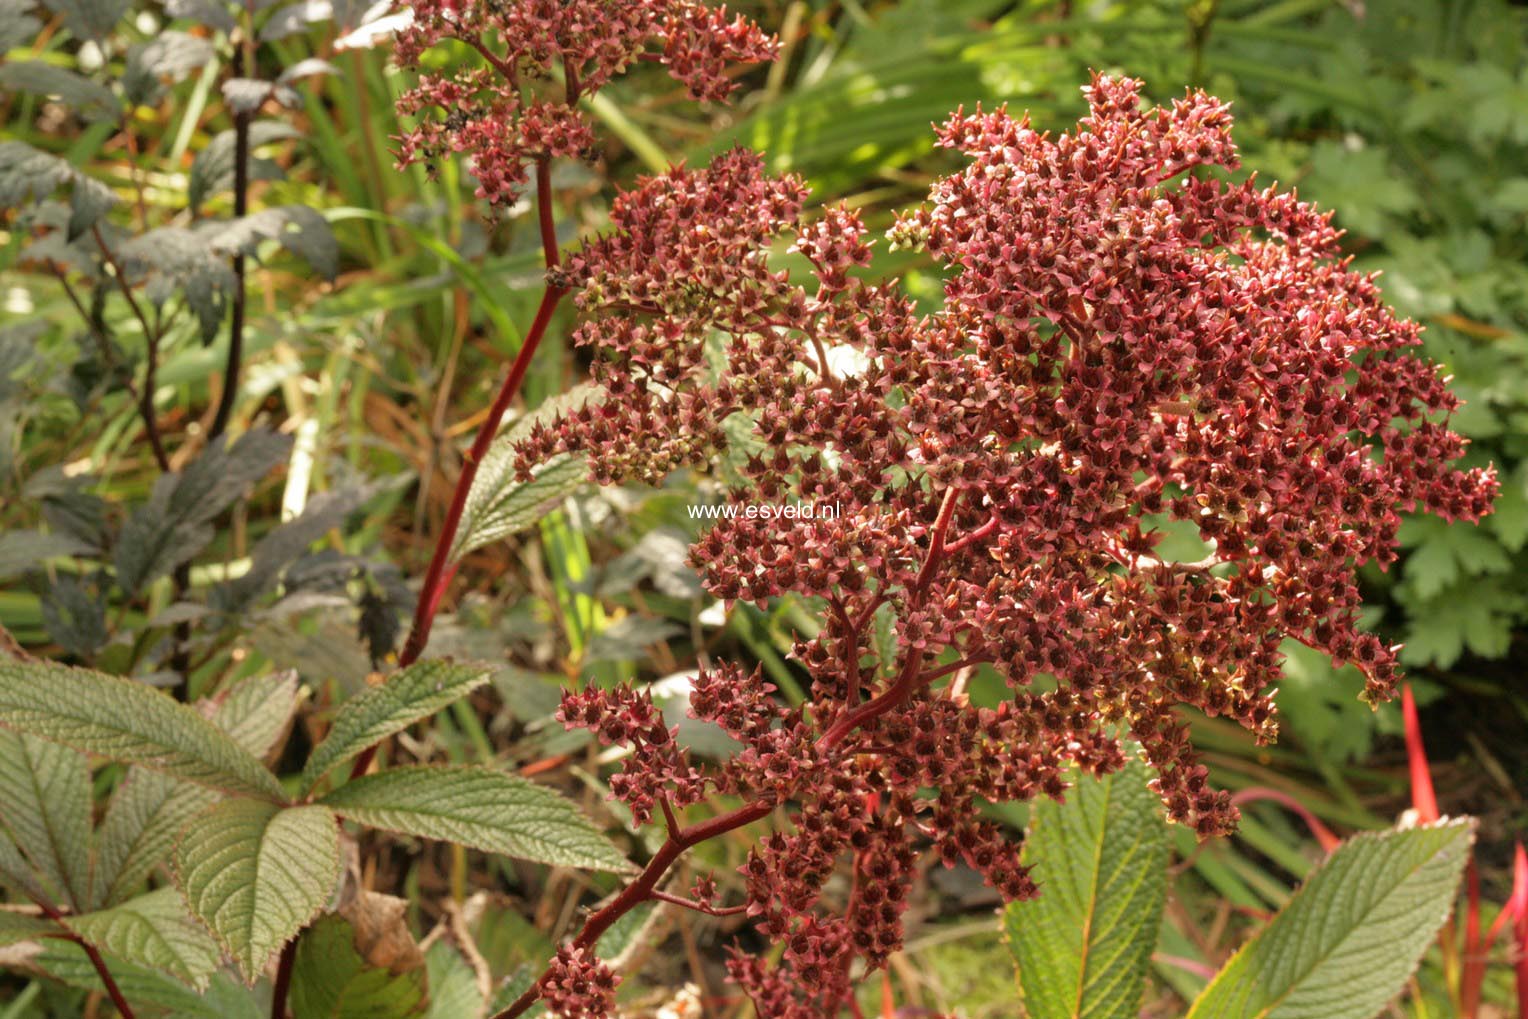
x=1423, y=800
x=1125, y=336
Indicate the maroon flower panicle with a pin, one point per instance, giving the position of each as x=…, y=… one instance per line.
x=501, y=116
x=1127, y=338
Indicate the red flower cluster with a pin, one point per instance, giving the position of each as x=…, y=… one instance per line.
x=501, y=115
x=1128, y=339
x=578, y=986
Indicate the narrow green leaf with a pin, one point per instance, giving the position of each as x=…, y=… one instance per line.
x=1083, y=947
x=1352, y=936
x=405, y=697
x=479, y=808
x=155, y=931
x=17, y=927
x=332, y=979
x=45, y=806
x=126, y=721
x=144, y=818
x=255, y=874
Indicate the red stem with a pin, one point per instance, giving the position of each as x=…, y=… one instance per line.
x=52, y=913
x=283, y=980
x=441, y=569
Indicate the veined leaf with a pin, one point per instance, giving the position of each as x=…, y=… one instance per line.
x=45, y=806
x=255, y=873
x=129, y=722
x=18, y=873
x=144, y=818
x=257, y=711
x=16, y=927
x=1351, y=937
x=479, y=808
x=89, y=99
x=155, y=931
x=405, y=697
x=333, y=979
x=1083, y=947
x=89, y=19
x=498, y=504
x=67, y=962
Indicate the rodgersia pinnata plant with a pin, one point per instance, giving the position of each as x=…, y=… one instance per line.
x=1130, y=339
x=1126, y=337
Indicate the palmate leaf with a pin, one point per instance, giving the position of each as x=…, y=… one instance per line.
x=454, y=990
x=89, y=19
x=1351, y=937
x=67, y=963
x=45, y=807
x=255, y=873
x=154, y=931
x=301, y=230
x=148, y=810
x=479, y=808
x=405, y=697
x=213, y=168
x=333, y=979
x=1083, y=947
x=129, y=722
x=30, y=175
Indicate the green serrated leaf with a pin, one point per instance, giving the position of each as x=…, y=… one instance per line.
x=498, y=504
x=1351, y=937
x=169, y=54
x=45, y=807
x=154, y=931
x=29, y=175
x=67, y=962
x=1083, y=947
x=255, y=873
x=332, y=979
x=479, y=808
x=126, y=721
x=144, y=818
x=405, y=697
x=257, y=711
x=17, y=927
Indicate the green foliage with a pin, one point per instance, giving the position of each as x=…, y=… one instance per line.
x=45, y=809
x=1340, y=948
x=255, y=874
x=333, y=979
x=1083, y=947
x=408, y=696
x=153, y=931
x=126, y=721
x=479, y=808
x=1351, y=937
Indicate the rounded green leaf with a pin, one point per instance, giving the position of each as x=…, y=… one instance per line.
x=1083, y=947
x=1352, y=936
x=479, y=808
x=255, y=874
